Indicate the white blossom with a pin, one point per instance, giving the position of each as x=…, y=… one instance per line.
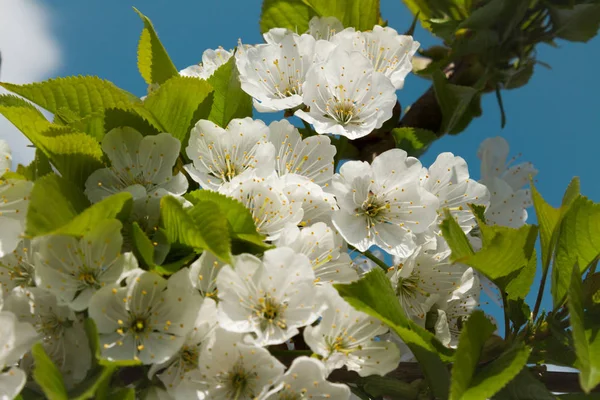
x=188, y=357
x=204, y=272
x=452, y=313
x=509, y=199
x=14, y=202
x=211, y=61
x=231, y=369
x=383, y=204
x=271, y=298
x=317, y=204
x=311, y=157
x=74, y=269
x=346, y=96
x=16, y=338
x=271, y=209
x=5, y=157
x=323, y=246
x=62, y=332
x=273, y=73
x=142, y=166
x=424, y=278
x=17, y=268
x=148, y=320
x=389, y=53
x=218, y=155
x=448, y=179
x=347, y=337
x=324, y=28
x=307, y=379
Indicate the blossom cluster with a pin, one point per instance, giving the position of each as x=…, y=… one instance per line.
x=211, y=330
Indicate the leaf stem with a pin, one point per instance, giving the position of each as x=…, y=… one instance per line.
x=540, y=295
x=371, y=257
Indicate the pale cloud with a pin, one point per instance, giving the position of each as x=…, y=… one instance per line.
x=30, y=52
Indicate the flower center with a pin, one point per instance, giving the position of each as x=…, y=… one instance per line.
x=190, y=355
x=372, y=206
x=341, y=344
x=88, y=278
x=271, y=312
x=138, y=325
x=240, y=382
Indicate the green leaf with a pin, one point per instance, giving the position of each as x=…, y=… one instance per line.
x=507, y=256
x=47, y=375
x=142, y=247
x=585, y=335
x=295, y=14
x=373, y=294
x=54, y=202
x=239, y=217
x=118, y=206
x=573, y=192
x=123, y=394
x=39, y=167
x=203, y=227
x=477, y=330
x=437, y=9
x=154, y=63
x=89, y=387
x=524, y=387
x=413, y=140
x=136, y=117
x=578, y=24
x=490, y=379
x=456, y=238
x=455, y=102
x=548, y=218
x=75, y=155
x=578, y=242
x=179, y=103
x=82, y=95
x=379, y=386
x=230, y=101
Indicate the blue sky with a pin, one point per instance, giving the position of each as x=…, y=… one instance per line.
x=553, y=121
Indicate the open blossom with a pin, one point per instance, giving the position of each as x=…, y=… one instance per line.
x=453, y=312
x=324, y=28
x=14, y=202
x=307, y=379
x=62, y=333
x=148, y=320
x=16, y=338
x=347, y=337
x=271, y=298
x=311, y=157
x=75, y=269
x=509, y=199
x=142, y=166
x=220, y=154
x=211, y=61
x=5, y=157
x=317, y=204
x=323, y=246
x=273, y=73
x=17, y=268
x=204, y=272
x=187, y=358
x=448, y=179
x=231, y=369
x=424, y=278
x=390, y=53
x=383, y=204
x=346, y=96
x=271, y=209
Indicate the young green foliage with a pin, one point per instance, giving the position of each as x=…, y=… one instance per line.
x=230, y=101
x=585, y=335
x=154, y=63
x=295, y=14
x=47, y=375
x=373, y=294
